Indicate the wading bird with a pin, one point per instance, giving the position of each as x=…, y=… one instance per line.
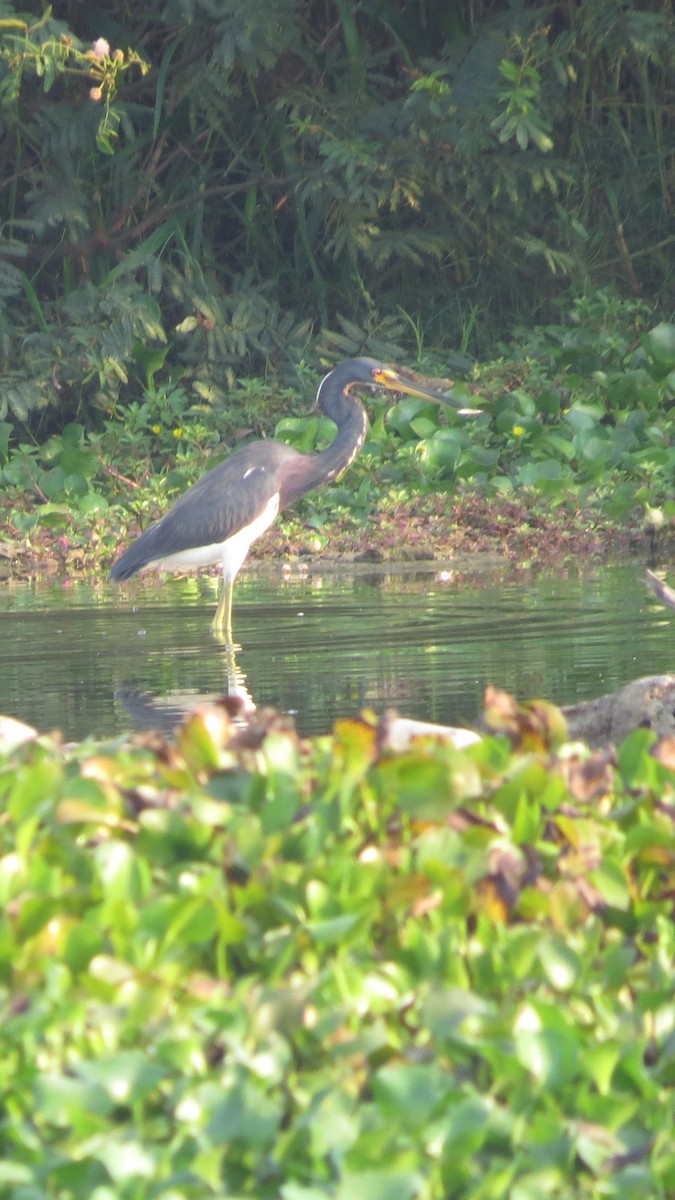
x=220, y=516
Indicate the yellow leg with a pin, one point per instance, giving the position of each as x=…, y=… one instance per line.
x=222, y=622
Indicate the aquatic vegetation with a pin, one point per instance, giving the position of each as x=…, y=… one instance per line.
x=245, y=964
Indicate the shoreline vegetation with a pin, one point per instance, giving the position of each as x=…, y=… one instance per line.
x=417, y=530
x=573, y=453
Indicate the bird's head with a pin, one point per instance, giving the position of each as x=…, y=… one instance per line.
x=370, y=373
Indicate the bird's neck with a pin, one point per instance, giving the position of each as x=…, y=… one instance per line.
x=307, y=471
x=352, y=424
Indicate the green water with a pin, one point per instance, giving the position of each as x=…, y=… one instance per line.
x=98, y=659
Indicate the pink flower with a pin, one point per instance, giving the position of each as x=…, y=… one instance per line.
x=100, y=48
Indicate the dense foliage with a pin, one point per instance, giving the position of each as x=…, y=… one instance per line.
x=577, y=424
x=244, y=965
x=192, y=190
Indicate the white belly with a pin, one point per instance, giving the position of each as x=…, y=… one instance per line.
x=230, y=553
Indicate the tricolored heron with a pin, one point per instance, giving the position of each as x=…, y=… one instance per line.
x=219, y=517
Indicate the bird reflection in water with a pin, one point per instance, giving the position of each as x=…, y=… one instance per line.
x=164, y=713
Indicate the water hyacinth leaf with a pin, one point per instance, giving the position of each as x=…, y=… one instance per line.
x=203, y=736
x=401, y=415
x=379, y=1185
x=651, y=837
x=561, y=445
x=281, y=801
x=334, y=1124
x=193, y=921
x=561, y=965
x=215, y=813
x=172, y=836
x=126, y=1159
x=332, y=930
x=424, y=427
x=34, y=914
x=583, y=417
x=617, y=964
x=481, y=456
x=526, y=820
x=245, y=1113
x=466, y=1123
x=596, y=450
x=13, y=875
x=356, y=744
x=82, y=942
x=13, y=1173
x=595, y=1145
x=305, y=433
x=635, y=763
x=533, y=473
x=92, y=503
x=35, y=790
x=298, y=1191
x=551, y=1056
x=525, y=403
x=600, y=1062
x=521, y=951
x=71, y=1101
x=506, y=419
x=429, y=786
x=451, y=1010
x=88, y=800
x=112, y=971
x=409, y=1093
x=443, y=450
x=537, y=1185
x=660, y=343
x=611, y=882
x=125, y=1077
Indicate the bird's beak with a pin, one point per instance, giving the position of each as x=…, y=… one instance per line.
x=399, y=381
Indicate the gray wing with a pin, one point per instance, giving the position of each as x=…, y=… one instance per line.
x=225, y=500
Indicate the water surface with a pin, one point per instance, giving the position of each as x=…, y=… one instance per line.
x=98, y=659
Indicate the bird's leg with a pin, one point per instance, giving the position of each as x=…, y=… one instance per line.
x=222, y=622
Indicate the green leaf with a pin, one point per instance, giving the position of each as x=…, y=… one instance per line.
x=533, y=473
x=332, y=930
x=443, y=450
x=70, y=1101
x=408, y=1094
x=35, y=790
x=600, y=1062
x=561, y=965
x=245, y=1113
x=660, y=343
x=378, y=1185
x=612, y=884
x=448, y=1009
x=126, y=1077
x=5, y=433
x=426, y=787
x=550, y=1056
